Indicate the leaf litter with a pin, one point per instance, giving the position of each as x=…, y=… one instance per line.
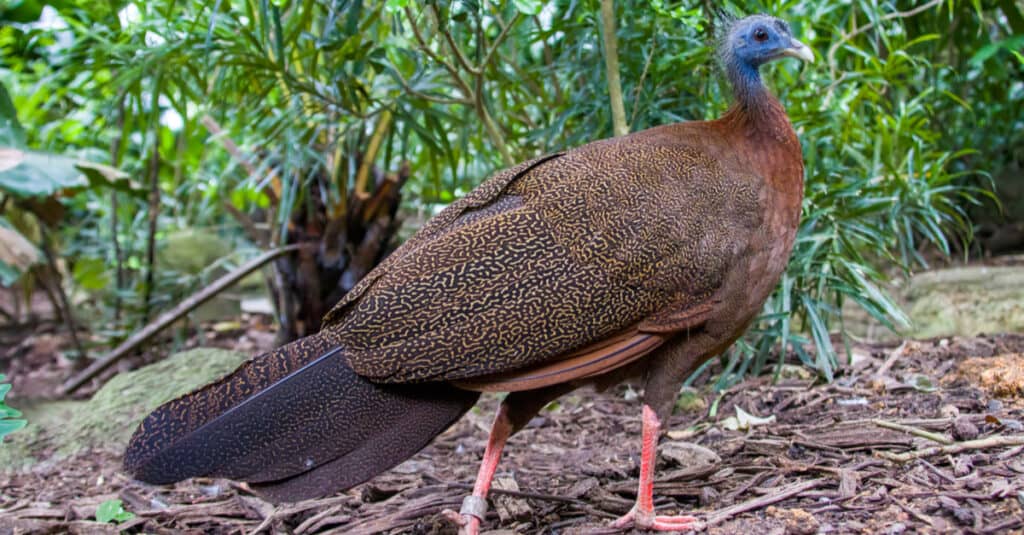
x=916, y=442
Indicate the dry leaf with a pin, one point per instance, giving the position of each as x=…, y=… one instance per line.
x=744, y=421
x=15, y=250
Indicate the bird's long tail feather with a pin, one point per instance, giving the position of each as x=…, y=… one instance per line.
x=296, y=422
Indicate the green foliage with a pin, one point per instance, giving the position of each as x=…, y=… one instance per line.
x=11, y=132
x=112, y=511
x=29, y=174
x=8, y=416
x=908, y=118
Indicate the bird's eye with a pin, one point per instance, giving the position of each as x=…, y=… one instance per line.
x=760, y=35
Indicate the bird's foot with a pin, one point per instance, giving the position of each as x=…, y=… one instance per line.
x=647, y=520
x=474, y=508
x=468, y=524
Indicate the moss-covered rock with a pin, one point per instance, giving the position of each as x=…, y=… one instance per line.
x=967, y=301
x=57, y=429
x=961, y=301
x=191, y=250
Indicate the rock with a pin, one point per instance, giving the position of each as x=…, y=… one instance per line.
x=57, y=429
x=963, y=429
x=967, y=301
x=960, y=301
x=688, y=455
x=191, y=250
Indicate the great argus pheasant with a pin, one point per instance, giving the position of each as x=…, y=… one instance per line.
x=640, y=256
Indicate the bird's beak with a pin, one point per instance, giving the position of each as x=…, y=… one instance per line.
x=799, y=51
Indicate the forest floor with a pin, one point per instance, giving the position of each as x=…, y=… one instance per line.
x=917, y=437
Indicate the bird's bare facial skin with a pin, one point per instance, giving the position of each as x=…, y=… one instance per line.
x=761, y=39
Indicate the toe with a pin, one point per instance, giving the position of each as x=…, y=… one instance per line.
x=675, y=523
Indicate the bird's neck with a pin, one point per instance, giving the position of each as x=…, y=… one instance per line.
x=756, y=112
x=758, y=123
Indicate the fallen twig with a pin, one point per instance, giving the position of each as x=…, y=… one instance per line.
x=934, y=437
x=172, y=315
x=896, y=354
x=980, y=444
x=918, y=515
x=783, y=493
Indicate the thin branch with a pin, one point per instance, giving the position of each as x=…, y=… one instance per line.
x=643, y=76
x=611, y=62
x=448, y=101
x=524, y=78
x=492, y=128
x=456, y=51
x=549, y=60
x=520, y=494
x=248, y=225
x=861, y=29
x=497, y=42
x=229, y=145
x=52, y=278
x=934, y=437
x=153, y=215
x=476, y=95
x=780, y=494
x=116, y=146
x=467, y=92
x=968, y=445
x=168, y=318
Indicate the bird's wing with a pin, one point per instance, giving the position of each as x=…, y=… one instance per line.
x=600, y=357
x=486, y=199
x=565, y=254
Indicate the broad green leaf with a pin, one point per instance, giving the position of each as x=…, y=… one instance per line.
x=36, y=174
x=91, y=274
x=7, y=425
x=1013, y=44
x=8, y=275
x=20, y=11
x=11, y=132
x=528, y=7
x=394, y=6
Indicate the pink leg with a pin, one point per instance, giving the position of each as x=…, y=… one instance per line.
x=475, y=507
x=642, y=514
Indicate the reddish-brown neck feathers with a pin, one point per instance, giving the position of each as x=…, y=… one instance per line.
x=766, y=135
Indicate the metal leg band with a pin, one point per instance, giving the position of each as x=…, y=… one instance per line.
x=474, y=506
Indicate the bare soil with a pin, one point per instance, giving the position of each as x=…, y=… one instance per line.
x=920, y=437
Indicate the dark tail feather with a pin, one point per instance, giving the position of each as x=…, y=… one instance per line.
x=297, y=422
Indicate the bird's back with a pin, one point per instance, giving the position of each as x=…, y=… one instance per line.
x=566, y=253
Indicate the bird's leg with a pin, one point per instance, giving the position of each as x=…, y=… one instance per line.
x=474, y=507
x=642, y=514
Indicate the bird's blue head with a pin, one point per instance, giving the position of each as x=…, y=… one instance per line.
x=752, y=41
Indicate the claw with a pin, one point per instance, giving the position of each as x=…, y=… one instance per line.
x=468, y=524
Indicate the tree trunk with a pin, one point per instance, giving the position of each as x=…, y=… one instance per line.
x=348, y=247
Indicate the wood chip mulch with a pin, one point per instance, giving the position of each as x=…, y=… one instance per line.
x=908, y=439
